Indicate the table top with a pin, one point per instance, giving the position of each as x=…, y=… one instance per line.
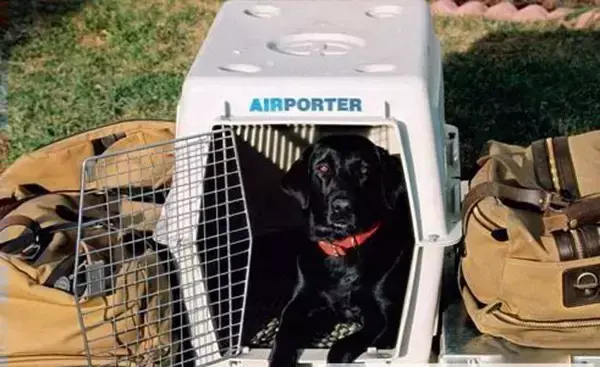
x=460, y=341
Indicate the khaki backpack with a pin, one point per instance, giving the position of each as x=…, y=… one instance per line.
x=123, y=287
x=530, y=267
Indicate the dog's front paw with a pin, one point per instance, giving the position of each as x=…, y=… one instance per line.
x=281, y=362
x=280, y=358
x=344, y=351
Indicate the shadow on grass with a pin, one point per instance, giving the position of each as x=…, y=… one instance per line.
x=18, y=17
x=516, y=86
x=22, y=14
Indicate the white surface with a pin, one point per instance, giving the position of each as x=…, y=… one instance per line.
x=303, y=53
x=315, y=38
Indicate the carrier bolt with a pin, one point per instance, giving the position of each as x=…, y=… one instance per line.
x=433, y=237
x=573, y=223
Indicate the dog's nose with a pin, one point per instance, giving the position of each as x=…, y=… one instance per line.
x=340, y=205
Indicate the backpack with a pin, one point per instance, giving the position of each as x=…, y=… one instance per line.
x=114, y=302
x=530, y=263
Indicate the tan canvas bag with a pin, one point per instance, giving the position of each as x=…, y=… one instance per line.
x=129, y=313
x=58, y=166
x=530, y=266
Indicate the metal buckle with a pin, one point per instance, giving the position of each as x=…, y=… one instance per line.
x=35, y=246
x=581, y=286
x=25, y=253
x=554, y=202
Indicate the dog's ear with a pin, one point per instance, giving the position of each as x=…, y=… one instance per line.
x=296, y=182
x=392, y=177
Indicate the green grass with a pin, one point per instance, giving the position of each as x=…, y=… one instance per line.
x=118, y=59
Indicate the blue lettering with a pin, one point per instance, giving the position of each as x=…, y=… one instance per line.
x=276, y=104
x=330, y=102
x=306, y=104
x=343, y=104
x=317, y=104
x=255, y=106
x=303, y=104
x=289, y=103
x=355, y=104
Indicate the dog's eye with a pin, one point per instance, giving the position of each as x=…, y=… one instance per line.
x=323, y=168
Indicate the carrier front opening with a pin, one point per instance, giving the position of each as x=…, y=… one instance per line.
x=265, y=153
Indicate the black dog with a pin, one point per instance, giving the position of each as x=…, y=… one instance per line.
x=356, y=264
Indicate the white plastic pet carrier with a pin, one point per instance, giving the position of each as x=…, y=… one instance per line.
x=277, y=76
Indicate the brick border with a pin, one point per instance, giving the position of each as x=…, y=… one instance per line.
x=506, y=11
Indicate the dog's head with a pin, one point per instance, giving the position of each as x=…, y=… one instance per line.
x=345, y=184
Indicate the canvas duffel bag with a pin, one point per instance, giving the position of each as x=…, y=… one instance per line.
x=58, y=166
x=127, y=311
x=530, y=263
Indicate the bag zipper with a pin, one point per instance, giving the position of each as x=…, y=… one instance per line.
x=481, y=218
x=579, y=251
x=545, y=324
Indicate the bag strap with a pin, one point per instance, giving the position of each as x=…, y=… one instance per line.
x=560, y=214
x=24, y=243
x=555, y=171
x=540, y=199
x=94, y=275
x=581, y=213
x=34, y=241
x=553, y=166
x=7, y=205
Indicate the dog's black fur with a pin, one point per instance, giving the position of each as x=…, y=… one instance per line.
x=345, y=185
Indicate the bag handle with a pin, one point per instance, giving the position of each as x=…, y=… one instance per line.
x=34, y=241
x=582, y=212
x=540, y=199
x=25, y=242
x=560, y=214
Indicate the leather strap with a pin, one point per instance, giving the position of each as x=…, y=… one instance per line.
x=33, y=242
x=7, y=205
x=582, y=212
x=541, y=164
x=540, y=199
x=565, y=169
x=559, y=213
x=18, y=220
x=25, y=244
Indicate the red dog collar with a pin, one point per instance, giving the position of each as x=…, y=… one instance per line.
x=338, y=248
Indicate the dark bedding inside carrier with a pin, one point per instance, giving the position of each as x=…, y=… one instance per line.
x=275, y=219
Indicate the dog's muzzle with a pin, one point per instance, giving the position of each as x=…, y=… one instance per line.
x=341, y=212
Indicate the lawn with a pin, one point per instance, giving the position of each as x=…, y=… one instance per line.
x=76, y=68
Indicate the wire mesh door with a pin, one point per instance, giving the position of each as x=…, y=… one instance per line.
x=163, y=253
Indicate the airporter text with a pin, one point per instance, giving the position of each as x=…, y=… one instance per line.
x=306, y=104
